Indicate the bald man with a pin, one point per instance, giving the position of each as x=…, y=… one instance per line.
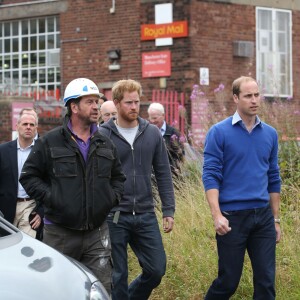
x=156, y=112
x=107, y=111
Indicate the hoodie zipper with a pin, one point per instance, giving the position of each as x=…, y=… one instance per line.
x=133, y=160
x=133, y=163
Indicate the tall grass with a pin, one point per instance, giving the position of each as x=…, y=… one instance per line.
x=191, y=247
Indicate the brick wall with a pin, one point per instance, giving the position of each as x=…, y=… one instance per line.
x=5, y=121
x=103, y=31
x=89, y=30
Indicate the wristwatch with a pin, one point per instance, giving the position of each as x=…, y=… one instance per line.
x=277, y=221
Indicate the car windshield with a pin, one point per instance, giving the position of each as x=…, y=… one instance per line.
x=9, y=235
x=3, y=232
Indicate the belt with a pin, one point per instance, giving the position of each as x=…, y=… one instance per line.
x=23, y=199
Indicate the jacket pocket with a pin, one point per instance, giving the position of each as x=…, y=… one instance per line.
x=64, y=162
x=105, y=158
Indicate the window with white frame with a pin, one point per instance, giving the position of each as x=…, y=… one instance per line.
x=29, y=58
x=274, y=51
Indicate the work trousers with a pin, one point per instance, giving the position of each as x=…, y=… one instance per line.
x=90, y=247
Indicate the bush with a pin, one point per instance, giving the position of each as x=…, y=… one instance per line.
x=289, y=162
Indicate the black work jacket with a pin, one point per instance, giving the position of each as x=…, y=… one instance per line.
x=76, y=194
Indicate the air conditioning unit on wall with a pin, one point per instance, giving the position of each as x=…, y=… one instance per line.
x=243, y=48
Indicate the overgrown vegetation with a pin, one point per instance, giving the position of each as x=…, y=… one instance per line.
x=191, y=247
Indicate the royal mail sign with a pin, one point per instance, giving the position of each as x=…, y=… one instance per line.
x=155, y=31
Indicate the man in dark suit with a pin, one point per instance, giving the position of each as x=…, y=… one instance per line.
x=170, y=134
x=15, y=204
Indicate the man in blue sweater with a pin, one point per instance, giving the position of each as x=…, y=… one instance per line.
x=242, y=184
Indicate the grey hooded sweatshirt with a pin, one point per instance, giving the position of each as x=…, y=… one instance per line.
x=147, y=153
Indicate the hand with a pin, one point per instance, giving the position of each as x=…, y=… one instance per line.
x=221, y=225
x=35, y=220
x=278, y=232
x=168, y=223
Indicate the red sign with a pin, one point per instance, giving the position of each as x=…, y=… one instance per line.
x=154, y=31
x=156, y=64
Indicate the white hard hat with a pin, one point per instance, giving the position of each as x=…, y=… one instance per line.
x=80, y=87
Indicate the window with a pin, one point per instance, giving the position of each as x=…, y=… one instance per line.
x=26, y=58
x=273, y=51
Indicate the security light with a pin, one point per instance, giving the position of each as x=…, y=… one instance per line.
x=114, y=54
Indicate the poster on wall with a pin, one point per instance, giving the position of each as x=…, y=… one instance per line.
x=156, y=64
x=204, y=76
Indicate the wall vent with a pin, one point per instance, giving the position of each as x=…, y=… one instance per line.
x=243, y=48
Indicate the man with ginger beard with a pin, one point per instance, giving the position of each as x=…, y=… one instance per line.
x=141, y=147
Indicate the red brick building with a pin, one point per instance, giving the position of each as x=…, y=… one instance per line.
x=46, y=44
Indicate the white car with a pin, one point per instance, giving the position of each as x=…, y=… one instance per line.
x=29, y=269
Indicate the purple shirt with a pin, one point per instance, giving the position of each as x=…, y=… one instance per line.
x=82, y=145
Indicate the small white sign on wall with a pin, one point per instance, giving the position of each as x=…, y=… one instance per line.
x=164, y=15
x=204, y=76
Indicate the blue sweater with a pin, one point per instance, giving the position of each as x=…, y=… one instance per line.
x=243, y=166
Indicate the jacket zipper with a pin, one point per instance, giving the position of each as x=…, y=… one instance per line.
x=84, y=165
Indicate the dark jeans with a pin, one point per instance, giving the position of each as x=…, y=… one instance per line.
x=90, y=247
x=252, y=230
x=141, y=232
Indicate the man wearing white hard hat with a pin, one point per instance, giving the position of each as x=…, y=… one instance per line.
x=76, y=173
